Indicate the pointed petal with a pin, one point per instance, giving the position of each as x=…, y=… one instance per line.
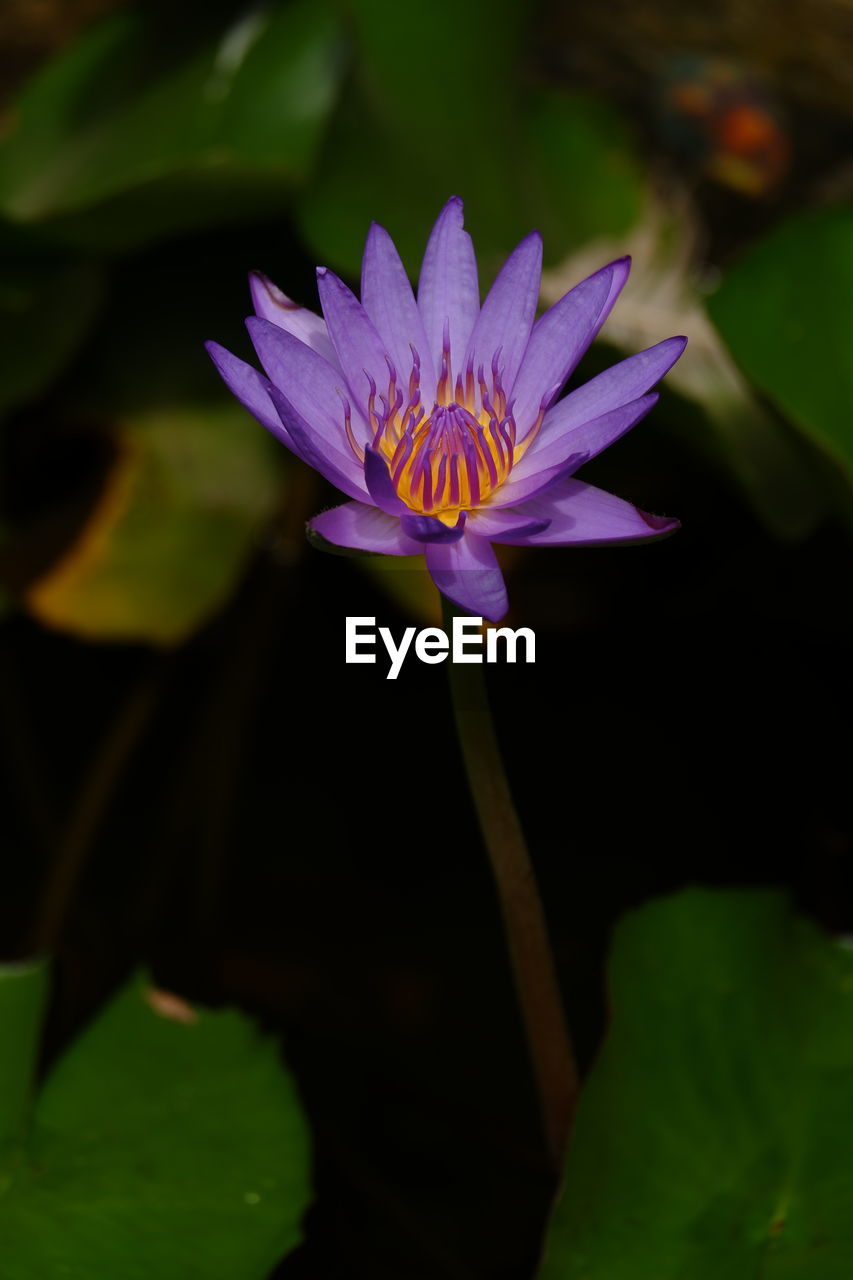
x=366, y=529
x=448, y=292
x=468, y=573
x=505, y=322
x=581, y=443
x=380, y=486
x=618, y=385
x=340, y=469
x=560, y=337
x=582, y=515
x=519, y=489
x=430, y=529
x=359, y=348
x=275, y=306
x=495, y=523
x=387, y=297
x=310, y=383
x=252, y=390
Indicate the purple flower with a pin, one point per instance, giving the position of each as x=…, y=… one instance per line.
x=439, y=418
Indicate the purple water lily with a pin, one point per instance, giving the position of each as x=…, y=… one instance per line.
x=439, y=418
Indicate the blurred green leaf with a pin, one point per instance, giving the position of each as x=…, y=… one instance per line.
x=440, y=108
x=786, y=312
x=177, y=519
x=45, y=312
x=432, y=112
x=583, y=169
x=23, y=991
x=167, y=1142
x=114, y=146
x=713, y=1135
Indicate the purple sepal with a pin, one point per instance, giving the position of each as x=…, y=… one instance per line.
x=429, y=529
x=468, y=573
x=364, y=528
x=497, y=523
x=580, y=514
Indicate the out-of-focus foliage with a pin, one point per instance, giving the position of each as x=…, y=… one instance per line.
x=521, y=157
x=786, y=311
x=166, y=1142
x=128, y=136
x=45, y=309
x=713, y=1135
x=771, y=465
x=188, y=491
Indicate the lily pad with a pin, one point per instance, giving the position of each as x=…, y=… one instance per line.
x=178, y=517
x=785, y=309
x=127, y=136
x=713, y=1135
x=166, y=1142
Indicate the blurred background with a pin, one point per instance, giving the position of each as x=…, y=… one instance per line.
x=192, y=778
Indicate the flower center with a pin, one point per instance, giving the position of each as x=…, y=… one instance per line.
x=453, y=458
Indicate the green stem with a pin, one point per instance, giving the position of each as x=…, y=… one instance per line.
x=524, y=920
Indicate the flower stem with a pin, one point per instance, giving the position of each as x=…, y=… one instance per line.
x=524, y=920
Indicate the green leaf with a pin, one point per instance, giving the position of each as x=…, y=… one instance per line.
x=438, y=108
x=432, y=112
x=121, y=139
x=168, y=1146
x=46, y=309
x=713, y=1136
x=23, y=991
x=582, y=167
x=786, y=311
x=178, y=517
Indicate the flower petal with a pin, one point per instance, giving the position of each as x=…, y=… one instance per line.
x=560, y=337
x=377, y=477
x=448, y=292
x=580, y=514
x=359, y=348
x=252, y=390
x=340, y=469
x=582, y=442
x=429, y=529
x=310, y=383
x=366, y=529
x=505, y=322
x=497, y=522
x=468, y=573
x=519, y=489
x=618, y=385
x=387, y=297
x=275, y=306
